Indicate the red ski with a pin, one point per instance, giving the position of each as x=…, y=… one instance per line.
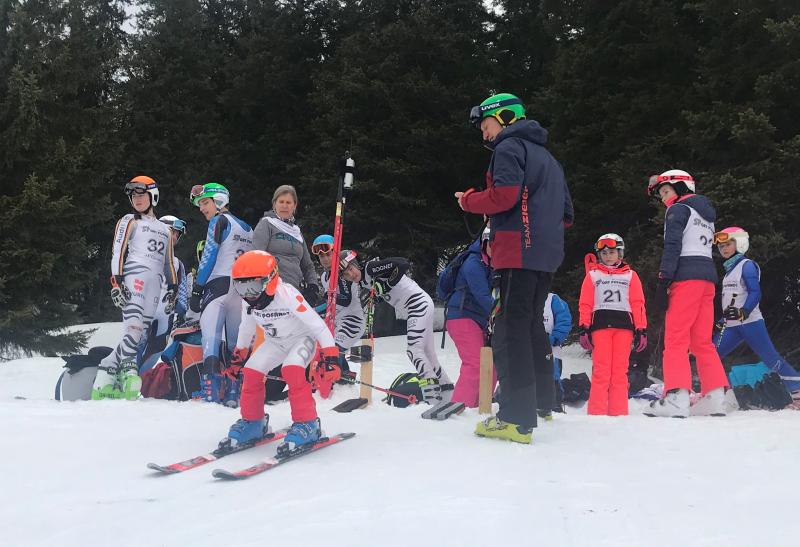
x=271, y=463
x=186, y=465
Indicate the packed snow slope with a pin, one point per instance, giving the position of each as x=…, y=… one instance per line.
x=74, y=474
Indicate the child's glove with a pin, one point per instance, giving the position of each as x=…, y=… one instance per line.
x=585, y=338
x=639, y=340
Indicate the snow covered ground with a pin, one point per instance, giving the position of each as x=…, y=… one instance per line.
x=74, y=474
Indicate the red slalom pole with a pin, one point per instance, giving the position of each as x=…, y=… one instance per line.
x=345, y=183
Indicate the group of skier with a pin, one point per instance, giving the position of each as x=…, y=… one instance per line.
x=247, y=279
x=527, y=206
x=257, y=296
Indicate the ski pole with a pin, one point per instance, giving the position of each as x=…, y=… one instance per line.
x=725, y=324
x=412, y=399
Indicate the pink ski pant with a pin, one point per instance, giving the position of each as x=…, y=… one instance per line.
x=687, y=327
x=468, y=337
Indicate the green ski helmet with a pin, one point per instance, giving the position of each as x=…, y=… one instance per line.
x=504, y=107
x=212, y=190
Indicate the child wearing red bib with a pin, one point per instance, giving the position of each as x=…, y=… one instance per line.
x=612, y=316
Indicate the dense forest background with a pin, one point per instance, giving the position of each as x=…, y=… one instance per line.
x=257, y=93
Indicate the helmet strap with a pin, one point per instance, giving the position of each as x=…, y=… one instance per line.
x=261, y=302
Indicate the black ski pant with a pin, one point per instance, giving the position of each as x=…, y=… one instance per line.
x=520, y=347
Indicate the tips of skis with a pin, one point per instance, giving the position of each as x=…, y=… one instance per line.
x=214, y=455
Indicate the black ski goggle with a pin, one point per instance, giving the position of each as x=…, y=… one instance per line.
x=476, y=113
x=136, y=188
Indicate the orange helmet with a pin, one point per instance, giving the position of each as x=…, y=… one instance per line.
x=143, y=184
x=255, y=272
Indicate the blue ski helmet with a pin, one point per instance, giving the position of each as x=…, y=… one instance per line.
x=322, y=245
x=324, y=238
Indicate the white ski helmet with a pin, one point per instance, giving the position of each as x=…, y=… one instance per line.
x=141, y=184
x=612, y=241
x=175, y=223
x=681, y=181
x=736, y=234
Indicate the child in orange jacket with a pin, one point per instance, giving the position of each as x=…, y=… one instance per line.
x=612, y=315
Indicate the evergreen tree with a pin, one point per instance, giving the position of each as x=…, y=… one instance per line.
x=397, y=93
x=57, y=144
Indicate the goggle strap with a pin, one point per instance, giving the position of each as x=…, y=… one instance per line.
x=498, y=104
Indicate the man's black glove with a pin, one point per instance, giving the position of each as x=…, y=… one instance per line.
x=196, y=298
x=662, y=296
x=311, y=294
x=732, y=313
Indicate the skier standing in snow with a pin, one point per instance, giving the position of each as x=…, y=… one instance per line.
x=212, y=292
x=292, y=329
x=389, y=281
x=278, y=234
x=350, y=320
x=612, y=315
x=468, y=309
x=142, y=259
x=741, y=294
x=686, y=287
x=528, y=205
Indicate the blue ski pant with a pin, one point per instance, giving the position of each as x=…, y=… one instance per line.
x=757, y=338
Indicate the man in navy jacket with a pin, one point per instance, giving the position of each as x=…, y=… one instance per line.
x=528, y=203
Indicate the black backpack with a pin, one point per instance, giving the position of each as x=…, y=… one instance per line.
x=769, y=394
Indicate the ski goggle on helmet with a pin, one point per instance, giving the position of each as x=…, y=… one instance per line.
x=322, y=245
x=504, y=107
x=175, y=223
x=610, y=241
x=736, y=234
x=217, y=192
x=255, y=273
x=142, y=185
x=677, y=178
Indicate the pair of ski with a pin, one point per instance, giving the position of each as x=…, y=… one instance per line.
x=440, y=411
x=260, y=467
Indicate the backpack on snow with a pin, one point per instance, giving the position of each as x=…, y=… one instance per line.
x=411, y=383
x=75, y=383
x=175, y=374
